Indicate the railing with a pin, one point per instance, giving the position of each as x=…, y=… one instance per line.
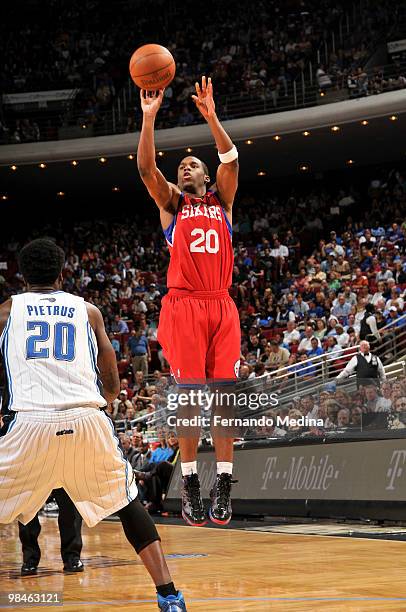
x=288, y=385
x=379, y=422
x=393, y=345
x=300, y=93
x=324, y=368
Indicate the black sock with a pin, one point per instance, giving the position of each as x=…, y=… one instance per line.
x=166, y=589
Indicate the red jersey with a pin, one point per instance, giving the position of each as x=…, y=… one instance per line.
x=200, y=245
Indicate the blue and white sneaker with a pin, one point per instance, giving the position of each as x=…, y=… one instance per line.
x=172, y=603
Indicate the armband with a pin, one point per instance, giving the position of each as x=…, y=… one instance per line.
x=230, y=156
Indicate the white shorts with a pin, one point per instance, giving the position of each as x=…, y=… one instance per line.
x=74, y=449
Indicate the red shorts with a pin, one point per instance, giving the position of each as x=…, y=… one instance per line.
x=200, y=335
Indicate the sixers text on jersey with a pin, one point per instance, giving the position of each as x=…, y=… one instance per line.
x=199, y=239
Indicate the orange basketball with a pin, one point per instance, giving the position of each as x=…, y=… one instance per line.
x=152, y=67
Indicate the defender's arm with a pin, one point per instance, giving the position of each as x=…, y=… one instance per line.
x=106, y=358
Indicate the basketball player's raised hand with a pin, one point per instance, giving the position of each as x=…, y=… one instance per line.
x=204, y=99
x=151, y=101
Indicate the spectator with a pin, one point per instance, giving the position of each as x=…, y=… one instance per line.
x=343, y=418
x=373, y=402
x=121, y=405
x=276, y=357
x=305, y=344
x=291, y=335
x=341, y=309
x=316, y=349
x=321, y=329
x=119, y=326
x=366, y=366
x=116, y=345
x=393, y=320
x=368, y=329
x=138, y=347
x=342, y=337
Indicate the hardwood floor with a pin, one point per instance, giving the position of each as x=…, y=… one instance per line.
x=217, y=569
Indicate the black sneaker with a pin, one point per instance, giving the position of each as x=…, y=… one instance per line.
x=73, y=566
x=220, y=509
x=192, y=505
x=28, y=569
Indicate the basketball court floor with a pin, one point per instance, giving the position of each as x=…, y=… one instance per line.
x=287, y=568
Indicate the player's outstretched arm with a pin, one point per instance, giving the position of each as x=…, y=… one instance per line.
x=106, y=357
x=227, y=172
x=158, y=187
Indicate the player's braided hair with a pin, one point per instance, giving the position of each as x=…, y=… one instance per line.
x=41, y=261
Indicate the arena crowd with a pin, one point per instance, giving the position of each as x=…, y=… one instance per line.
x=250, y=59
x=307, y=274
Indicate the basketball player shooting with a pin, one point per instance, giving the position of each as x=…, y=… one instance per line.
x=199, y=327
x=56, y=355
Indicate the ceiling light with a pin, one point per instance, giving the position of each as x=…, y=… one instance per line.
x=116, y=189
x=261, y=173
x=161, y=153
x=189, y=149
x=304, y=167
x=74, y=162
x=364, y=122
x=350, y=162
x=277, y=138
x=335, y=128
x=103, y=160
x=4, y=197
x=322, y=94
x=42, y=166
x=13, y=167
x=84, y=126
x=131, y=156
x=249, y=142
x=393, y=117
x=60, y=194
x=306, y=133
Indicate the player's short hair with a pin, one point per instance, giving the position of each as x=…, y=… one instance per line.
x=41, y=261
x=205, y=168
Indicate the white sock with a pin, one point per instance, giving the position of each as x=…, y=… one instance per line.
x=188, y=468
x=224, y=467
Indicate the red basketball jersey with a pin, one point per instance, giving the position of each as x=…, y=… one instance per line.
x=200, y=245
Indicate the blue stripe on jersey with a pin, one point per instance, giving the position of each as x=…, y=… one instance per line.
x=4, y=332
x=94, y=353
x=169, y=231
x=92, y=356
x=12, y=423
x=4, y=348
x=229, y=226
x=122, y=457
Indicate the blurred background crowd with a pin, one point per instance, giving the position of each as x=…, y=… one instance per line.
x=303, y=282
x=314, y=260
x=261, y=53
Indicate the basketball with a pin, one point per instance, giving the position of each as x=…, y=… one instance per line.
x=152, y=67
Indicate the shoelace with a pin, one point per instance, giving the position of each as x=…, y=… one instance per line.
x=194, y=493
x=224, y=490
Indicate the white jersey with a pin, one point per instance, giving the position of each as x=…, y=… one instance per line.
x=50, y=354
